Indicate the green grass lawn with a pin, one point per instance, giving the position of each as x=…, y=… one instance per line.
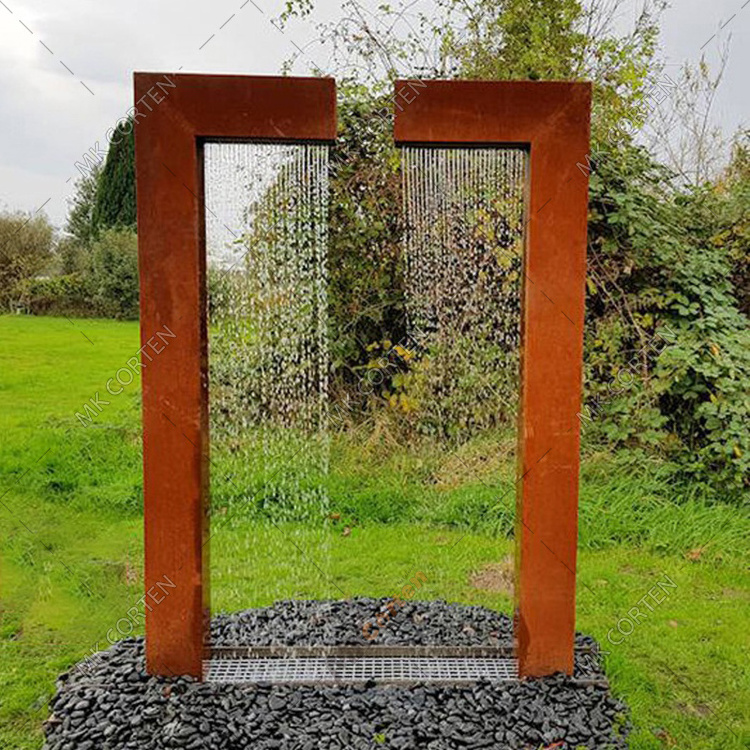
x=71, y=545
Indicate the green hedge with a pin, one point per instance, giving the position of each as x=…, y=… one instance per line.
x=107, y=286
x=58, y=295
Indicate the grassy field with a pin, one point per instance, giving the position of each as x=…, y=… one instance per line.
x=71, y=545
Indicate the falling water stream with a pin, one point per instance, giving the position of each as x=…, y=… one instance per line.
x=465, y=217
x=266, y=225
x=269, y=362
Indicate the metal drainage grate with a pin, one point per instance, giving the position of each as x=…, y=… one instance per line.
x=338, y=669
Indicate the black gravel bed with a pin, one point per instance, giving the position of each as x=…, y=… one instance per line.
x=109, y=702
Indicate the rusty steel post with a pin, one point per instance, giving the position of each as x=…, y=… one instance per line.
x=551, y=119
x=174, y=115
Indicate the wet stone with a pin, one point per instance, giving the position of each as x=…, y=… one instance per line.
x=103, y=707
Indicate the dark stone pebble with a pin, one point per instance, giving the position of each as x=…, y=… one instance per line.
x=114, y=705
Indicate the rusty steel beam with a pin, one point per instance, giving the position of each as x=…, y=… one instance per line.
x=174, y=115
x=551, y=119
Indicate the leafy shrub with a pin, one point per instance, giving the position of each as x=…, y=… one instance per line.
x=105, y=286
x=115, y=273
x=667, y=348
x=366, y=283
x=459, y=386
x=26, y=250
x=57, y=295
x=728, y=219
x=72, y=256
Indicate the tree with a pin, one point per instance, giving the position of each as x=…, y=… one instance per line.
x=487, y=39
x=659, y=269
x=80, y=222
x=25, y=250
x=115, y=194
x=366, y=286
x=115, y=273
x=104, y=200
x=684, y=135
x=729, y=217
x=498, y=40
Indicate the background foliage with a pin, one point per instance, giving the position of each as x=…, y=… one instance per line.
x=114, y=204
x=25, y=250
x=667, y=355
x=92, y=268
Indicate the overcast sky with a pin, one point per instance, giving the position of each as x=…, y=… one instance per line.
x=66, y=69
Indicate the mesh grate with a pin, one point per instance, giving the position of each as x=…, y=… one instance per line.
x=360, y=669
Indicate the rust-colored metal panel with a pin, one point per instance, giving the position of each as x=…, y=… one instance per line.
x=551, y=119
x=174, y=114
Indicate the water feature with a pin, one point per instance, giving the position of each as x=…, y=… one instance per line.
x=266, y=225
x=269, y=361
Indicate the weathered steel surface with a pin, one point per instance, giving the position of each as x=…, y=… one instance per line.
x=175, y=113
x=552, y=120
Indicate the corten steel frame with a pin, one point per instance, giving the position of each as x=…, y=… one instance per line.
x=169, y=141
x=551, y=120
